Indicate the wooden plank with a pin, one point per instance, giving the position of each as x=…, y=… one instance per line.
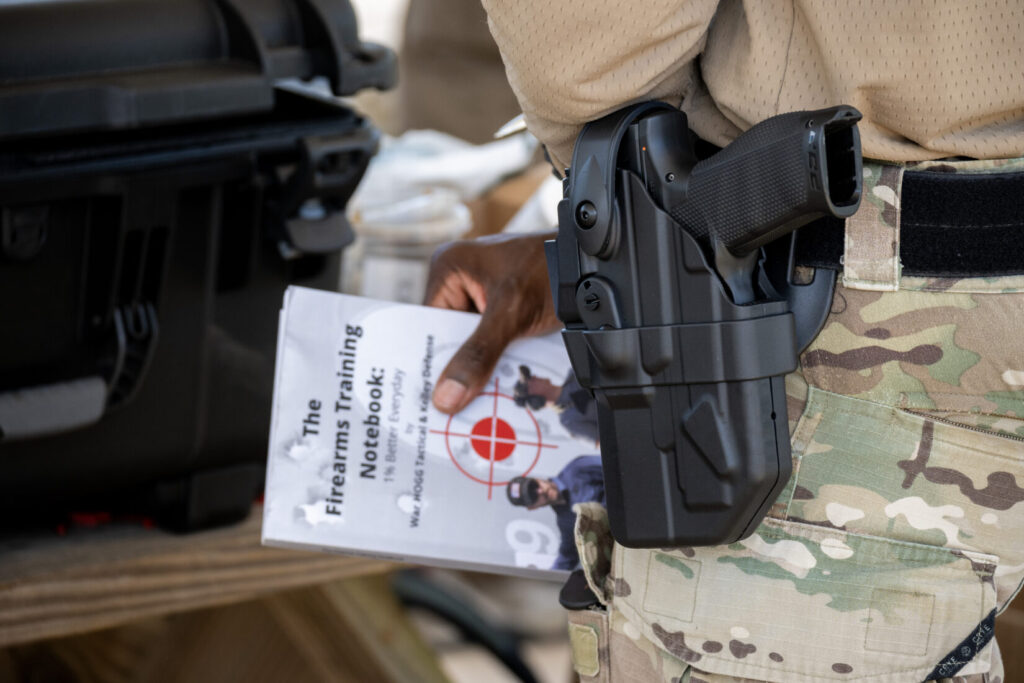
x=102, y=577
x=356, y=630
x=241, y=642
x=338, y=633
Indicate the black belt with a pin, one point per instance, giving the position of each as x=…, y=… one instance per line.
x=951, y=225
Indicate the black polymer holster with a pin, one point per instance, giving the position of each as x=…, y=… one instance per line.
x=673, y=276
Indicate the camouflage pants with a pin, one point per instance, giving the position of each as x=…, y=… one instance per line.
x=900, y=531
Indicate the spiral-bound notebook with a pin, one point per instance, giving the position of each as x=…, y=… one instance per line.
x=361, y=462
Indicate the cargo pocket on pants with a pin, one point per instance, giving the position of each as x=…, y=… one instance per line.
x=876, y=470
x=799, y=602
x=878, y=560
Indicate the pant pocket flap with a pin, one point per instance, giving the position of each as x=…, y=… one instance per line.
x=875, y=470
x=799, y=602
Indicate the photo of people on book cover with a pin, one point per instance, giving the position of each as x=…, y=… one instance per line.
x=581, y=480
x=576, y=407
x=361, y=462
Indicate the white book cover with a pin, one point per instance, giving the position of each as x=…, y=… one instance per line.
x=361, y=462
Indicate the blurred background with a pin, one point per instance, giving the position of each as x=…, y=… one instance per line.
x=111, y=596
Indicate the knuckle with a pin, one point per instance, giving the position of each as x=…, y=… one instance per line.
x=440, y=260
x=441, y=254
x=444, y=263
x=451, y=253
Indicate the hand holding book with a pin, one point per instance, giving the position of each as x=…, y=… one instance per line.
x=505, y=279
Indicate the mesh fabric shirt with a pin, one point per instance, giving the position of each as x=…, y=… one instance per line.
x=933, y=78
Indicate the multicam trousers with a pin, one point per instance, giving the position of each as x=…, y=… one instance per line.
x=901, y=531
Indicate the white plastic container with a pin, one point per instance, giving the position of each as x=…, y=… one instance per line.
x=390, y=259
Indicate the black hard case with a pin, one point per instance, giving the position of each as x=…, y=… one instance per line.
x=157, y=194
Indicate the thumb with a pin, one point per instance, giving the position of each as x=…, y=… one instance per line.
x=472, y=365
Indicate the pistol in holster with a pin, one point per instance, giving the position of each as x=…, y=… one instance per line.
x=673, y=277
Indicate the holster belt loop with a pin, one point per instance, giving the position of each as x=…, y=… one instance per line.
x=871, y=254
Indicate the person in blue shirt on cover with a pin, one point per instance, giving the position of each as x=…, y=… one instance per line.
x=580, y=481
x=576, y=407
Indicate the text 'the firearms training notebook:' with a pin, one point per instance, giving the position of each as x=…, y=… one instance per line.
x=361, y=462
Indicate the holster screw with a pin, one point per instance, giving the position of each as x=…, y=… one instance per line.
x=586, y=214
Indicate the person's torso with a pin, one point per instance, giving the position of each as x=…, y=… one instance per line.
x=934, y=78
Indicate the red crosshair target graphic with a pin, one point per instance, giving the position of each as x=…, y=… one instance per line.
x=495, y=440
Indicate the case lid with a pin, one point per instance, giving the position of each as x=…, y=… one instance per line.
x=111, y=64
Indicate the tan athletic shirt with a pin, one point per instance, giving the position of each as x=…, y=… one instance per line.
x=933, y=78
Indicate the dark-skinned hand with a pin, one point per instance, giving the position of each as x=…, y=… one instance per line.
x=505, y=278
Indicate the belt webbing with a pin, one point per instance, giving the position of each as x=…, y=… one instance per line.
x=951, y=225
